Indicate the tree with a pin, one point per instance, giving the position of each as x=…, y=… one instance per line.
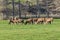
x=13, y=7
x=38, y=8
x=48, y=6
x=2, y=6
x=19, y=9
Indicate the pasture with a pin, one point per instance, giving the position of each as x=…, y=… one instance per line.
x=30, y=31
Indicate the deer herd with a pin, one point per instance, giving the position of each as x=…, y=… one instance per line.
x=31, y=20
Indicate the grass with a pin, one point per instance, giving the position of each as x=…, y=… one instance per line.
x=30, y=32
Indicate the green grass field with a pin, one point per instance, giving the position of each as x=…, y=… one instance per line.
x=30, y=32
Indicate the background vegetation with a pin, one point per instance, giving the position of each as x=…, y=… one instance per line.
x=52, y=6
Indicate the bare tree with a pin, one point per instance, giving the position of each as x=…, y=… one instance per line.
x=48, y=6
x=1, y=8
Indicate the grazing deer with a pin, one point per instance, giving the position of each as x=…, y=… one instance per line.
x=48, y=20
x=40, y=20
x=30, y=20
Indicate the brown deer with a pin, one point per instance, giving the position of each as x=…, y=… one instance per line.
x=40, y=20
x=30, y=20
x=48, y=20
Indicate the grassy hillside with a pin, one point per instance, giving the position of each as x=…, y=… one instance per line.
x=30, y=32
